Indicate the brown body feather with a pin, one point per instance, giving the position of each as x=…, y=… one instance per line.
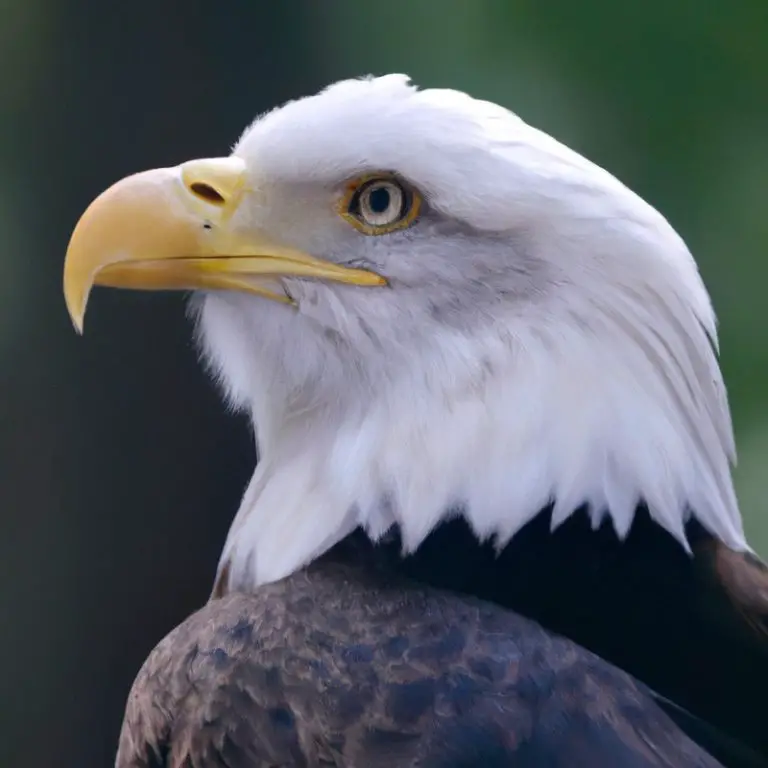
x=347, y=666
x=355, y=662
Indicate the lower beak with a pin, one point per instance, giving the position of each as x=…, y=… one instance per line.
x=170, y=229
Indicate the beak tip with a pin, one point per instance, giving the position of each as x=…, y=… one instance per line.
x=76, y=296
x=77, y=316
x=77, y=322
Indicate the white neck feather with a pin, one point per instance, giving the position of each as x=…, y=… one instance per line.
x=546, y=338
x=594, y=398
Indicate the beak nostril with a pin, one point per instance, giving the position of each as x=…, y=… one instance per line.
x=207, y=193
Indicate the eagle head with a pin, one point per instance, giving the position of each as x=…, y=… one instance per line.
x=428, y=307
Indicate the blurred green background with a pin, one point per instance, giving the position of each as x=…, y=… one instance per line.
x=119, y=470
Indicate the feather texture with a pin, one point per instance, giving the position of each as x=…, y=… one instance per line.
x=545, y=338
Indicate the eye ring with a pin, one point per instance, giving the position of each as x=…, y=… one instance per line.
x=378, y=204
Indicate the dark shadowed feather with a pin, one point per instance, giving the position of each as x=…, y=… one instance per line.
x=345, y=664
x=694, y=629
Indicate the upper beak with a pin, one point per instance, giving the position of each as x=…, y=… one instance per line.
x=169, y=228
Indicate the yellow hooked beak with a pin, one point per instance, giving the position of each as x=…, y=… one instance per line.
x=169, y=229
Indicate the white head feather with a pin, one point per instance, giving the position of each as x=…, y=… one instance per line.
x=546, y=337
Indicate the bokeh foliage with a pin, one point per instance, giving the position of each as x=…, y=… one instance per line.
x=119, y=471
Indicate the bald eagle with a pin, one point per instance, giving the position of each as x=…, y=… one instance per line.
x=493, y=520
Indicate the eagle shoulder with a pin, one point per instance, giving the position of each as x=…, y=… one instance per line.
x=334, y=666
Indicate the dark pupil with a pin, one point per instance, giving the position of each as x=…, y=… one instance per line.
x=379, y=199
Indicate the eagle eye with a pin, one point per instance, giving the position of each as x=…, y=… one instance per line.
x=375, y=205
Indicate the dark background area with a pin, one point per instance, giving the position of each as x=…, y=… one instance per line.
x=119, y=469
